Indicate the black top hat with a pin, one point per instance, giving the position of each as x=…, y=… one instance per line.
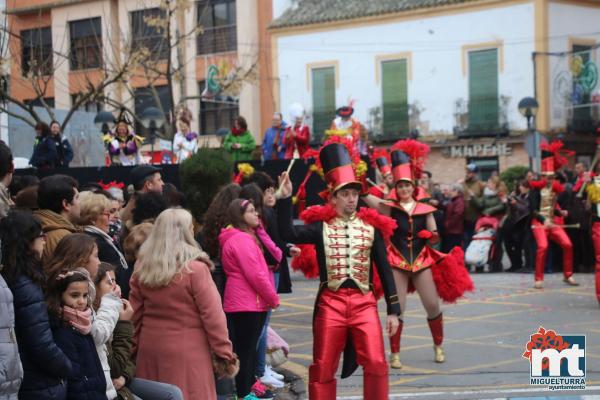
x=383, y=166
x=337, y=167
x=401, y=168
x=345, y=111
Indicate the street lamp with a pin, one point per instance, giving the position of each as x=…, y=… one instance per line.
x=152, y=119
x=105, y=121
x=528, y=107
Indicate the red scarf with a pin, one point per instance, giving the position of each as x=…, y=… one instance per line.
x=237, y=131
x=80, y=320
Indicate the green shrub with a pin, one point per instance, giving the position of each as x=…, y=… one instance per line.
x=202, y=175
x=513, y=174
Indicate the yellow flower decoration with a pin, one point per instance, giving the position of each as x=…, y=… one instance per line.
x=360, y=169
x=336, y=132
x=593, y=193
x=245, y=169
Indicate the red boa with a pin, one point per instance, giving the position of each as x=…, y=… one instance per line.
x=307, y=260
x=557, y=187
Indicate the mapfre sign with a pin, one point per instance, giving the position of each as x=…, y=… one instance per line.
x=481, y=150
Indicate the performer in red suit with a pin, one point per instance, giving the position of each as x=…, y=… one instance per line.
x=416, y=265
x=297, y=135
x=593, y=200
x=548, y=218
x=349, y=246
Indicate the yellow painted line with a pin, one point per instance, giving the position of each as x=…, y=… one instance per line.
x=300, y=356
x=408, y=368
x=301, y=344
x=290, y=326
x=506, y=346
x=288, y=299
x=292, y=314
x=298, y=306
x=482, y=366
x=405, y=380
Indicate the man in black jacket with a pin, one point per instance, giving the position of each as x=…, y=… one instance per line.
x=347, y=244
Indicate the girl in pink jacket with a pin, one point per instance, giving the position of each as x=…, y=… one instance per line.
x=249, y=290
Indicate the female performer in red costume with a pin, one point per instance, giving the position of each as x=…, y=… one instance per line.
x=433, y=275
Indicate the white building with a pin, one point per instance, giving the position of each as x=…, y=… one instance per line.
x=449, y=68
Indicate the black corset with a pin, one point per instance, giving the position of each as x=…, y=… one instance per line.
x=405, y=237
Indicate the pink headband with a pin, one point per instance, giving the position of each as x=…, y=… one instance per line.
x=245, y=203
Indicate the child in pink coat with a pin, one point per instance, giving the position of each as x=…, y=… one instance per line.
x=249, y=291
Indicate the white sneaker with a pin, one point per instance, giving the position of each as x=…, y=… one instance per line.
x=274, y=374
x=270, y=380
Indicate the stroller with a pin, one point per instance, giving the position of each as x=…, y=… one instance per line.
x=485, y=250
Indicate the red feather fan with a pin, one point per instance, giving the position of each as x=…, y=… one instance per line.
x=451, y=277
x=306, y=262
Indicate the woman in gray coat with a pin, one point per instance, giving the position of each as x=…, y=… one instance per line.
x=11, y=372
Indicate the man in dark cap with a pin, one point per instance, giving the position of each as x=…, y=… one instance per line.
x=147, y=178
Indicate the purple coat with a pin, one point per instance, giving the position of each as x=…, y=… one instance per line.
x=249, y=286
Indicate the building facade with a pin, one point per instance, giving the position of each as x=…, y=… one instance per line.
x=71, y=45
x=454, y=71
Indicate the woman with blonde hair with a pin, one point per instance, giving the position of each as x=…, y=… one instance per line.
x=97, y=212
x=179, y=323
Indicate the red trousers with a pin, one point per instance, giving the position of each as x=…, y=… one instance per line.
x=596, y=240
x=557, y=235
x=347, y=314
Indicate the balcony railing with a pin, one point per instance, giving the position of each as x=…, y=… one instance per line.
x=483, y=117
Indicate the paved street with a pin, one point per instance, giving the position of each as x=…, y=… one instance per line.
x=485, y=337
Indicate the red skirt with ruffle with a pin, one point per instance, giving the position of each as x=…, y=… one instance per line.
x=451, y=277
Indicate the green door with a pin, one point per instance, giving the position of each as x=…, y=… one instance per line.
x=323, y=100
x=394, y=89
x=483, y=91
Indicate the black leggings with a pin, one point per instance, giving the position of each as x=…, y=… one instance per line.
x=244, y=332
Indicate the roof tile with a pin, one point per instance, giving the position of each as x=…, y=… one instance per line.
x=306, y=12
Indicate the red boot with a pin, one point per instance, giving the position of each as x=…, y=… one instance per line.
x=436, y=326
x=395, y=347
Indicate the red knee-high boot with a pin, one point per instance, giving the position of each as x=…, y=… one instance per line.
x=436, y=326
x=395, y=347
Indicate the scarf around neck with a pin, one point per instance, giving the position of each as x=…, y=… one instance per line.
x=81, y=321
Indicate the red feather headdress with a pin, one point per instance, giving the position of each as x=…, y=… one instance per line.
x=560, y=154
x=418, y=153
x=111, y=184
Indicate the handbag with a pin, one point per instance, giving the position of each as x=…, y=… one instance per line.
x=276, y=357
